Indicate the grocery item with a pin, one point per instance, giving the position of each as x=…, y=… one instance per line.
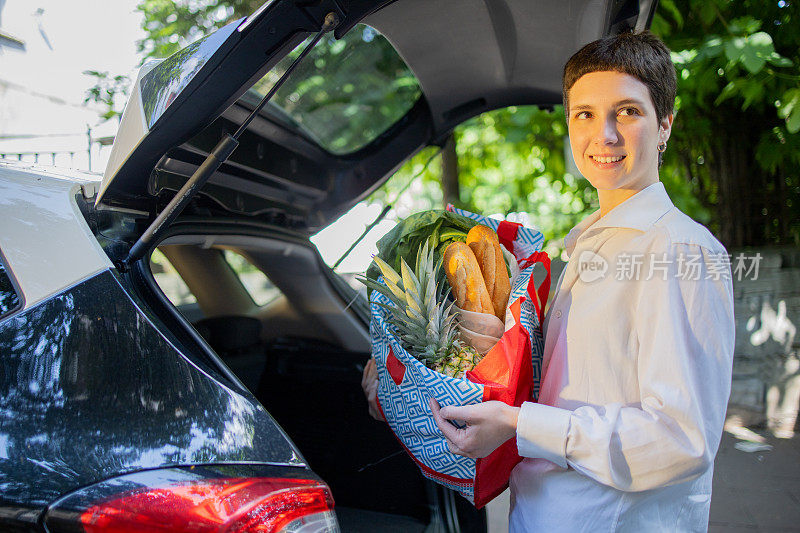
x=484, y=243
x=425, y=322
x=465, y=278
x=437, y=227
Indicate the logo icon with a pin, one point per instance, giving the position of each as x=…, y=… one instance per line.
x=591, y=266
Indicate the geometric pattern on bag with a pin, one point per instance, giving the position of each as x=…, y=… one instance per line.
x=405, y=406
x=530, y=321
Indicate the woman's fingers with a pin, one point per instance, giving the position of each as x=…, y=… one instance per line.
x=456, y=412
x=450, y=432
x=369, y=384
x=370, y=373
x=369, y=376
x=488, y=425
x=455, y=449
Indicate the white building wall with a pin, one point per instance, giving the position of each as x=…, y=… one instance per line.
x=42, y=87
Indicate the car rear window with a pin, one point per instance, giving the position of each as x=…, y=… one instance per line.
x=255, y=282
x=345, y=93
x=170, y=282
x=9, y=298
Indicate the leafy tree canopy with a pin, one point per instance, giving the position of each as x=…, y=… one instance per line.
x=736, y=140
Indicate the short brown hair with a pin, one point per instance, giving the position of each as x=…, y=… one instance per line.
x=641, y=55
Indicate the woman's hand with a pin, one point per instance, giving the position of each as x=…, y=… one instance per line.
x=369, y=384
x=489, y=425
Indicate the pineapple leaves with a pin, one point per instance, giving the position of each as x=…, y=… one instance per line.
x=423, y=321
x=411, y=285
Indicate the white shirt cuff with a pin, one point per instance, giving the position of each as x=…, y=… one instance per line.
x=542, y=432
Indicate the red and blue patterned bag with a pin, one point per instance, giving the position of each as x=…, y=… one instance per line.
x=509, y=372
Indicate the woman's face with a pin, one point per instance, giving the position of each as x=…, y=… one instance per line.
x=614, y=132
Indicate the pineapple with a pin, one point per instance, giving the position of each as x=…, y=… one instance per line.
x=426, y=325
x=458, y=361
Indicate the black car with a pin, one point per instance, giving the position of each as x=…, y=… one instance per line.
x=125, y=406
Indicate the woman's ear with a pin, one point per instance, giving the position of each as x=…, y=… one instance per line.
x=665, y=128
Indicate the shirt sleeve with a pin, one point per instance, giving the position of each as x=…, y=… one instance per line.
x=685, y=330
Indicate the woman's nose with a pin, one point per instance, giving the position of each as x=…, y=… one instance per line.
x=607, y=132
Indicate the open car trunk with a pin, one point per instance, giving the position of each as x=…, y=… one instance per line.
x=313, y=390
x=302, y=356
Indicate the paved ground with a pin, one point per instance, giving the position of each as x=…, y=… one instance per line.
x=753, y=491
x=758, y=491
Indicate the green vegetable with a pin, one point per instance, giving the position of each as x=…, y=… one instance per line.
x=438, y=227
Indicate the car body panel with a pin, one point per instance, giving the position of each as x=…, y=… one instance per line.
x=91, y=389
x=133, y=125
x=38, y=206
x=247, y=55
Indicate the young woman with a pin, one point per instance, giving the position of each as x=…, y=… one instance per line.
x=639, y=338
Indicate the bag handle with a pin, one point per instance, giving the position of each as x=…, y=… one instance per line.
x=543, y=292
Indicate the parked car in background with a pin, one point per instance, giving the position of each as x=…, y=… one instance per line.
x=215, y=381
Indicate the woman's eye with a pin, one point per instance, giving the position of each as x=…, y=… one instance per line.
x=629, y=111
x=583, y=115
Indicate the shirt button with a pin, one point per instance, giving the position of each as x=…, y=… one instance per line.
x=558, y=313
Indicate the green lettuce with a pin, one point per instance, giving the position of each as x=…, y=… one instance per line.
x=438, y=227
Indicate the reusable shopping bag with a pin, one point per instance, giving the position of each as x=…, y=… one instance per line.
x=509, y=372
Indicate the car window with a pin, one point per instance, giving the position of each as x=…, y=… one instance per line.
x=255, y=282
x=161, y=86
x=9, y=298
x=170, y=281
x=345, y=93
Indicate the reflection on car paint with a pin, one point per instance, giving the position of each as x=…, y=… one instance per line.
x=86, y=370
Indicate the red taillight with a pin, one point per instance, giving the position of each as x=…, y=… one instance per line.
x=263, y=505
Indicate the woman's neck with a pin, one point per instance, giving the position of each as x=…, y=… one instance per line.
x=611, y=198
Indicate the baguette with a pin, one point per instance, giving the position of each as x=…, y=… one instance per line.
x=466, y=280
x=484, y=243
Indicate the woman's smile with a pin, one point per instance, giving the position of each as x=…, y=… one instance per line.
x=606, y=161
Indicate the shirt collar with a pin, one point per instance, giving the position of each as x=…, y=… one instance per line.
x=638, y=212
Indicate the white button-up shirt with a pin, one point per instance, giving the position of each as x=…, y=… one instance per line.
x=636, y=377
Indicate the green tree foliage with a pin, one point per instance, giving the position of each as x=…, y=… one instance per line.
x=172, y=24
x=513, y=160
x=510, y=160
x=736, y=141
x=346, y=92
x=108, y=91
